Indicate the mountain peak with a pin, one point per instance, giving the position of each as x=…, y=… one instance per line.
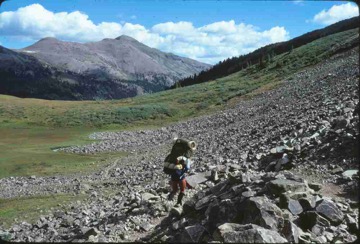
x=125, y=38
x=49, y=39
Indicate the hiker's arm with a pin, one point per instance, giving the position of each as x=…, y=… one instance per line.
x=187, y=165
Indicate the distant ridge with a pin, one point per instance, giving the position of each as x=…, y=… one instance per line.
x=108, y=69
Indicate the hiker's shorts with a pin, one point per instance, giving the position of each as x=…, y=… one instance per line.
x=175, y=184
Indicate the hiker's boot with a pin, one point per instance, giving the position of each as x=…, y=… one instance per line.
x=171, y=196
x=179, y=200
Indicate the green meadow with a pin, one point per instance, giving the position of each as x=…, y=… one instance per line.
x=31, y=128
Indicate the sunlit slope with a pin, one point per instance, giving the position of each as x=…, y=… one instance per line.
x=177, y=104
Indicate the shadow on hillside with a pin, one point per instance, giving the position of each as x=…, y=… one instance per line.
x=159, y=230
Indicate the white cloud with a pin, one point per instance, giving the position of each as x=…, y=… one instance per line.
x=133, y=17
x=210, y=43
x=221, y=27
x=336, y=13
x=181, y=27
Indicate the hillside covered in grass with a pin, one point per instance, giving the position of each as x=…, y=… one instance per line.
x=265, y=54
x=174, y=105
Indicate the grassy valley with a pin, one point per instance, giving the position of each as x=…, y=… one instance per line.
x=30, y=128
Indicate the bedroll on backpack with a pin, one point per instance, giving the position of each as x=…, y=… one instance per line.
x=181, y=147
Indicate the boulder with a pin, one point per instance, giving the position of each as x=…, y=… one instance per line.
x=179, y=224
x=146, y=226
x=250, y=233
x=315, y=186
x=307, y=220
x=308, y=203
x=194, y=180
x=189, y=205
x=193, y=234
x=291, y=232
x=321, y=239
x=295, y=207
x=352, y=223
x=260, y=211
x=286, y=197
x=87, y=232
x=146, y=197
x=305, y=237
x=318, y=230
x=5, y=236
x=329, y=210
x=214, y=176
x=337, y=170
x=350, y=173
x=204, y=202
x=177, y=211
x=248, y=194
x=219, y=187
x=238, y=189
x=219, y=213
x=279, y=186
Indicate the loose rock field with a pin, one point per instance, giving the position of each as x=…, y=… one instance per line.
x=269, y=164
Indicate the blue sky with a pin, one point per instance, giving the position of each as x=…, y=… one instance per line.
x=208, y=31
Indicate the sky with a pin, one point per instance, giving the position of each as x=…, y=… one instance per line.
x=207, y=31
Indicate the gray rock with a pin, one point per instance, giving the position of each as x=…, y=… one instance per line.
x=279, y=186
x=260, y=211
x=204, y=202
x=337, y=170
x=329, y=236
x=315, y=186
x=179, y=224
x=189, y=205
x=305, y=238
x=307, y=203
x=85, y=187
x=236, y=233
x=321, y=239
x=291, y=232
x=295, y=207
x=5, y=236
x=248, y=194
x=177, y=211
x=194, y=180
x=146, y=197
x=352, y=223
x=307, y=220
x=146, y=226
x=329, y=210
x=214, y=176
x=193, y=234
x=350, y=173
x=219, y=213
x=219, y=187
x=87, y=232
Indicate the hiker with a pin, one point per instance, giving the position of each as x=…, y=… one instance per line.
x=176, y=164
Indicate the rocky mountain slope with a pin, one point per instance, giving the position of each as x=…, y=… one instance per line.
x=280, y=167
x=111, y=68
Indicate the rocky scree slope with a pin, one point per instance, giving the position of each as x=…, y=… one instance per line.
x=264, y=171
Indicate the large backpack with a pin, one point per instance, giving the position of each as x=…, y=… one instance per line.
x=181, y=147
